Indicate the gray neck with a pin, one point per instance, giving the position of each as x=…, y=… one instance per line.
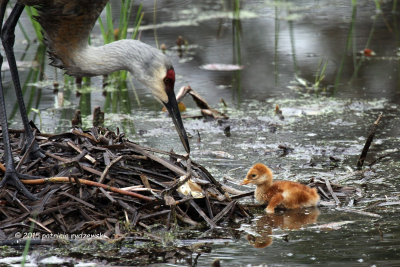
x=131, y=55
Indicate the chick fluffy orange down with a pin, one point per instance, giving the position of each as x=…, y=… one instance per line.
x=290, y=195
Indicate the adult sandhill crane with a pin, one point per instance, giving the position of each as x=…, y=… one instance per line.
x=66, y=26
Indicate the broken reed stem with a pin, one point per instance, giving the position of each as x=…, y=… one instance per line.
x=27, y=151
x=86, y=182
x=368, y=142
x=40, y=224
x=82, y=134
x=104, y=174
x=333, y=194
x=163, y=162
x=77, y=149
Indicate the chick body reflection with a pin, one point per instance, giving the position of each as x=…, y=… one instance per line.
x=290, y=220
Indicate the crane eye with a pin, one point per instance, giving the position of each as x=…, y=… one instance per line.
x=167, y=80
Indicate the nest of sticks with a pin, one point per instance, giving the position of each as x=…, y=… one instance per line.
x=98, y=182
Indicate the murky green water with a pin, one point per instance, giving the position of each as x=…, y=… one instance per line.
x=325, y=117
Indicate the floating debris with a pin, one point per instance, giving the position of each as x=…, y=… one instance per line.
x=331, y=226
x=361, y=212
x=180, y=41
x=278, y=112
x=221, y=67
x=338, y=193
x=367, y=52
x=206, y=109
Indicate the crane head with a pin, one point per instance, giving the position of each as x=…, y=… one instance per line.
x=172, y=106
x=162, y=84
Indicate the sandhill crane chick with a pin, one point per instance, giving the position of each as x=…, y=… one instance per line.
x=290, y=195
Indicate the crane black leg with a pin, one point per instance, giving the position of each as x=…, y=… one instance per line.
x=7, y=36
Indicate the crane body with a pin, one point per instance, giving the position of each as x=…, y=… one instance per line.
x=66, y=26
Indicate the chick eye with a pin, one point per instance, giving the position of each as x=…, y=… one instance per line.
x=253, y=175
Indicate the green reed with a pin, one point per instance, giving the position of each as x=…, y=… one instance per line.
x=32, y=12
x=155, y=22
x=320, y=73
x=111, y=34
x=349, y=43
x=236, y=9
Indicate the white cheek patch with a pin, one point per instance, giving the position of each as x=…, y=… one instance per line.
x=159, y=94
x=157, y=85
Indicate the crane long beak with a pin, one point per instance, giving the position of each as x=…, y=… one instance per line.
x=172, y=107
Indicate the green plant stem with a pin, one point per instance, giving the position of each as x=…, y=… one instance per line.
x=31, y=12
x=237, y=9
x=21, y=27
x=155, y=22
x=110, y=26
x=276, y=54
x=27, y=245
x=125, y=14
x=293, y=45
x=103, y=30
x=138, y=21
x=349, y=43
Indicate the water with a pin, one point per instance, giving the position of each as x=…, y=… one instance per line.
x=283, y=48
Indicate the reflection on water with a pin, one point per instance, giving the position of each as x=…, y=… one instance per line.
x=287, y=220
x=305, y=58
